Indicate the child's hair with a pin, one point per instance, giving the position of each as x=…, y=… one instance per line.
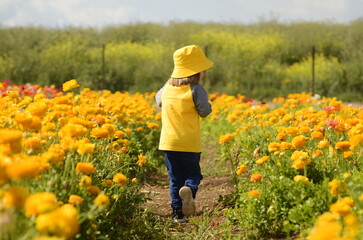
x=176, y=82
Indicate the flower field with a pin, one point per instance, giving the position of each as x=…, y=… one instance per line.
x=73, y=162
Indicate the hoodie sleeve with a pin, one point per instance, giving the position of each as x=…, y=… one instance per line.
x=158, y=96
x=200, y=98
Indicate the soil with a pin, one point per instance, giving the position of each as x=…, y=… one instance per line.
x=211, y=190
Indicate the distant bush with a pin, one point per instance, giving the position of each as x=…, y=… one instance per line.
x=262, y=60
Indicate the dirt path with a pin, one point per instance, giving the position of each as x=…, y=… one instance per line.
x=211, y=189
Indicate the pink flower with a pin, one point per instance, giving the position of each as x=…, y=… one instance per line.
x=331, y=123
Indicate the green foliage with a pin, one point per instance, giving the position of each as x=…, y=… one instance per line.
x=255, y=60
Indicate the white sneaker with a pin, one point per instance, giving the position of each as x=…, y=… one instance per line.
x=186, y=196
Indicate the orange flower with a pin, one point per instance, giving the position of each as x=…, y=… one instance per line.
x=317, y=135
x=93, y=190
x=241, y=169
x=38, y=203
x=107, y=183
x=32, y=143
x=24, y=169
x=317, y=153
x=273, y=147
x=256, y=177
x=85, y=181
x=344, y=145
x=85, y=168
x=102, y=200
x=299, y=142
x=69, y=85
x=323, y=144
x=120, y=179
x=141, y=161
x=281, y=136
x=300, y=159
x=153, y=125
x=286, y=146
x=262, y=160
x=15, y=197
x=62, y=222
x=253, y=193
x=75, y=199
x=347, y=154
x=119, y=134
x=226, y=138
x=299, y=178
x=99, y=133
x=72, y=130
x=38, y=109
x=337, y=186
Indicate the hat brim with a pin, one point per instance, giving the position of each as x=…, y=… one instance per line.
x=182, y=72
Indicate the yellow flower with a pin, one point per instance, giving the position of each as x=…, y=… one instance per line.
x=317, y=135
x=72, y=130
x=62, y=222
x=337, y=186
x=299, y=142
x=27, y=168
x=241, y=169
x=15, y=197
x=347, y=154
x=134, y=180
x=323, y=144
x=85, y=181
x=327, y=227
x=286, y=146
x=141, y=161
x=38, y=109
x=128, y=131
x=342, y=206
x=93, y=190
x=24, y=119
x=139, y=129
x=85, y=146
x=119, y=134
x=48, y=238
x=75, y=199
x=273, y=147
x=153, y=125
x=102, y=200
x=317, y=153
x=299, y=178
x=253, y=193
x=107, y=183
x=226, y=138
x=120, y=179
x=85, y=168
x=347, y=175
x=32, y=143
x=344, y=145
x=99, y=133
x=38, y=203
x=69, y=85
x=262, y=160
x=281, y=136
x=300, y=159
x=111, y=129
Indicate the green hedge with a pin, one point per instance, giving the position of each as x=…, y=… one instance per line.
x=262, y=60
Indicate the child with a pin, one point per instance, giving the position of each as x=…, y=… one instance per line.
x=182, y=101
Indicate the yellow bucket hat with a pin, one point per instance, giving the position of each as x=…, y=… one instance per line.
x=189, y=60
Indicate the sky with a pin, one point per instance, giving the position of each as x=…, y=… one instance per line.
x=100, y=13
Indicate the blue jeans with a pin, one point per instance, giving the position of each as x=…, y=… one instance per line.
x=183, y=169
